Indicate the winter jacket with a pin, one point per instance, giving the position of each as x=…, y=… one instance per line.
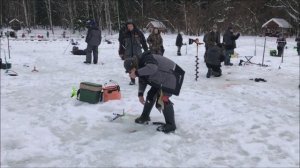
x=298, y=41
x=159, y=72
x=281, y=42
x=93, y=36
x=211, y=39
x=214, y=56
x=122, y=32
x=121, y=39
x=179, y=40
x=229, y=40
x=155, y=42
x=133, y=42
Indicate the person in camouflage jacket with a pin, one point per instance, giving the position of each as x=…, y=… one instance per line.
x=155, y=42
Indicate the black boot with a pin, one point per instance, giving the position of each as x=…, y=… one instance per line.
x=209, y=72
x=217, y=73
x=169, y=118
x=145, y=116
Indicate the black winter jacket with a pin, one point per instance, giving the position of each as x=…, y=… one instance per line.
x=133, y=42
x=214, y=56
x=298, y=41
x=93, y=36
x=229, y=40
x=281, y=42
x=179, y=40
x=211, y=39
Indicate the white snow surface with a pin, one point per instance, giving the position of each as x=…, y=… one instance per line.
x=229, y=121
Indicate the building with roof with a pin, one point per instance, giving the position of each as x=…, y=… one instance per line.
x=15, y=24
x=156, y=24
x=276, y=26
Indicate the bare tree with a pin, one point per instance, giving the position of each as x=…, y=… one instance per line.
x=87, y=8
x=291, y=7
x=107, y=16
x=49, y=13
x=71, y=15
x=25, y=14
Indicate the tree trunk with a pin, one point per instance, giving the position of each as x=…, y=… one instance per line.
x=34, y=13
x=118, y=13
x=93, y=12
x=185, y=18
x=99, y=13
x=49, y=12
x=87, y=9
x=107, y=16
x=25, y=14
x=1, y=14
x=71, y=16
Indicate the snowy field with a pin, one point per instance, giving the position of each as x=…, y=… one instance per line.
x=229, y=121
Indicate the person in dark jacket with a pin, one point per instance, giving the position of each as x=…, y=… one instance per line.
x=155, y=42
x=93, y=40
x=212, y=38
x=229, y=43
x=298, y=44
x=213, y=59
x=179, y=43
x=281, y=42
x=133, y=42
x=77, y=51
x=165, y=78
x=122, y=32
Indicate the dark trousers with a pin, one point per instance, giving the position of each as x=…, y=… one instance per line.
x=179, y=50
x=89, y=50
x=228, y=54
x=152, y=94
x=280, y=51
x=216, y=69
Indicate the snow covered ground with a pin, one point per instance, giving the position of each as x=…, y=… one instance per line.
x=229, y=121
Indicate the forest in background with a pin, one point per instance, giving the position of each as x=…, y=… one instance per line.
x=193, y=17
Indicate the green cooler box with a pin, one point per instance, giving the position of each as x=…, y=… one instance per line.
x=90, y=92
x=273, y=53
x=5, y=65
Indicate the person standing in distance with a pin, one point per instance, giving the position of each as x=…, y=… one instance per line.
x=93, y=40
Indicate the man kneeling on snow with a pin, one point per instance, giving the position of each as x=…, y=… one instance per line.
x=213, y=58
x=165, y=78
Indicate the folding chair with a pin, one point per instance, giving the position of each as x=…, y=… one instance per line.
x=248, y=59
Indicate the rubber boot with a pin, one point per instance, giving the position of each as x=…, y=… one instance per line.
x=145, y=116
x=170, y=125
x=217, y=73
x=209, y=73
